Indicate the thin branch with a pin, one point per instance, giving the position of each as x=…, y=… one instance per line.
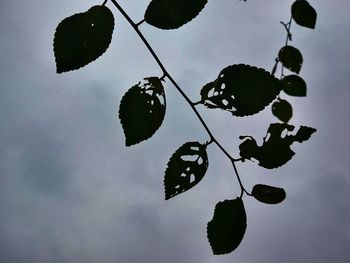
x=287, y=26
x=104, y=2
x=192, y=105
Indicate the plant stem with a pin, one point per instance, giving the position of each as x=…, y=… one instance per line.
x=288, y=37
x=192, y=105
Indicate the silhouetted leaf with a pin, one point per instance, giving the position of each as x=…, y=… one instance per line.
x=282, y=110
x=186, y=167
x=226, y=230
x=294, y=86
x=142, y=110
x=241, y=89
x=82, y=38
x=291, y=58
x=304, y=14
x=275, y=150
x=304, y=133
x=171, y=14
x=268, y=194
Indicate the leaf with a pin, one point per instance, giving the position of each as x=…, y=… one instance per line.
x=294, y=86
x=242, y=90
x=282, y=110
x=142, y=110
x=304, y=133
x=304, y=14
x=172, y=14
x=82, y=38
x=268, y=194
x=291, y=58
x=275, y=150
x=226, y=230
x=186, y=167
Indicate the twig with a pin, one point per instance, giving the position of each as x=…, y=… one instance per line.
x=192, y=105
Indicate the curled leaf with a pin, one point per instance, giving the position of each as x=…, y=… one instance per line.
x=294, y=86
x=172, y=14
x=304, y=133
x=291, y=58
x=186, y=167
x=142, y=110
x=275, y=150
x=304, y=14
x=82, y=38
x=226, y=230
x=282, y=110
x=241, y=89
x=268, y=194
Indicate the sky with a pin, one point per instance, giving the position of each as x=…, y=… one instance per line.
x=71, y=192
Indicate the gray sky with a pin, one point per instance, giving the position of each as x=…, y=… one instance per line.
x=71, y=192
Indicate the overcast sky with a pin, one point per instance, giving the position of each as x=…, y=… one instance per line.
x=70, y=191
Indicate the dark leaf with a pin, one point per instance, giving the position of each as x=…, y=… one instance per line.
x=304, y=133
x=275, y=150
x=282, y=110
x=268, y=194
x=304, y=14
x=226, y=230
x=171, y=14
x=186, y=167
x=291, y=58
x=82, y=38
x=142, y=110
x=294, y=86
x=242, y=90
x=248, y=148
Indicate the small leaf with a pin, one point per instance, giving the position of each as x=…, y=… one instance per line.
x=291, y=58
x=304, y=133
x=172, y=14
x=294, y=86
x=304, y=14
x=241, y=89
x=82, y=38
x=226, y=230
x=186, y=167
x=268, y=194
x=142, y=110
x=275, y=150
x=282, y=110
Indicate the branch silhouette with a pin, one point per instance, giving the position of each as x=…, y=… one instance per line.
x=240, y=89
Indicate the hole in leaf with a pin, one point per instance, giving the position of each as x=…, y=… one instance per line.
x=225, y=102
x=200, y=160
x=189, y=158
x=192, y=178
x=183, y=174
x=195, y=148
x=223, y=86
x=188, y=169
x=284, y=133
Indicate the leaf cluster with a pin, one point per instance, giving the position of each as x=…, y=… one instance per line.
x=243, y=90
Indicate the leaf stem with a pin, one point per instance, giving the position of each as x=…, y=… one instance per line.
x=139, y=23
x=192, y=105
x=287, y=26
